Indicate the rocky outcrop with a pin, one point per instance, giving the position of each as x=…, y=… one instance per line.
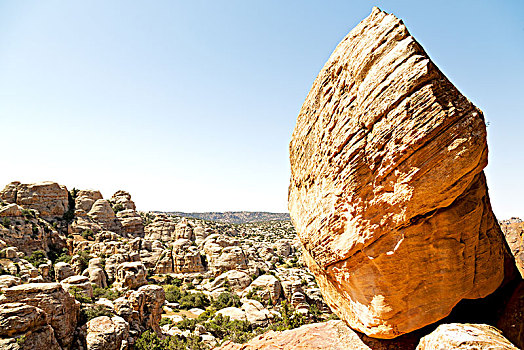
x=186, y=257
x=78, y=285
x=162, y=228
x=104, y=333
x=267, y=287
x=86, y=198
x=48, y=198
x=147, y=302
x=465, y=337
x=514, y=231
x=104, y=215
x=387, y=191
x=236, y=280
x=131, y=223
x=63, y=270
x=59, y=306
x=332, y=335
x=96, y=273
x=131, y=275
x=25, y=327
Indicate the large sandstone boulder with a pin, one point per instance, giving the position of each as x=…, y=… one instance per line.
x=131, y=275
x=186, y=257
x=104, y=333
x=236, y=280
x=147, y=301
x=63, y=270
x=25, y=327
x=131, y=222
x=465, y=337
x=48, y=198
x=514, y=231
x=267, y=287
x=332, y=335
x=387, y=191
x=60, y=307
x=103, y=214
x=86, y=198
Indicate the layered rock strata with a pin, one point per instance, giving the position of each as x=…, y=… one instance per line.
x=387, y=191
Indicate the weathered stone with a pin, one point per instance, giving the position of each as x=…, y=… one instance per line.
x=256, y=313
x=162, y=228
x=268, y=287
x=387, y=191
x=234, y=313
x=104, y=333
x=25, y=327
x=78, y=285
x=131, y=223
x=332, y=335
x=104, y=215
x=63, y=270
x=186, y=257
x=7, y=281
x=465, y=336
x=236, y=280
x=131, y=275
x=123, y=200
x=86, y=198
x=147, y=301
x=48, y=198
x=514, y=231
x=60, y=307
x=95, y=273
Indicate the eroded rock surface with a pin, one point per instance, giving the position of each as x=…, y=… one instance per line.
x=59, y=306
x=466, y=337
x=387, y=190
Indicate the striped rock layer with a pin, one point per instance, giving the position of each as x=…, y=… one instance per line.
x=387, y=189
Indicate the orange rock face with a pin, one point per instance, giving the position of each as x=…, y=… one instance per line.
x=387, y=190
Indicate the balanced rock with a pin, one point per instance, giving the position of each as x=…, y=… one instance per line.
x=387, y=191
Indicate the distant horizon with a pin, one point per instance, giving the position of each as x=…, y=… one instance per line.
x=192, y=104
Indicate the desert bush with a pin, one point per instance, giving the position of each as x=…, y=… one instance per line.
x=37, y=258
x=226, y=299
x=90, y=312
x=150, y=341
x=107, y=293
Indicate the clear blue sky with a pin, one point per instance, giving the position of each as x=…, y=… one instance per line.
x=190, y=105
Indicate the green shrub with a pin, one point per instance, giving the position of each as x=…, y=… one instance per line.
x=37, y=258
x=118, y=207
x=191, y=300
x=150, y=341
x=90, y=312
x=79, y=295
x=226, y=299
x=88, y=234
x=6, y=222
x=173, y=293
x=107, y=293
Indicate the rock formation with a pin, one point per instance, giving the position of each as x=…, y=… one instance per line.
x=48, y=198
x=59, y=306
x=465, y=337
x=387, y=193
